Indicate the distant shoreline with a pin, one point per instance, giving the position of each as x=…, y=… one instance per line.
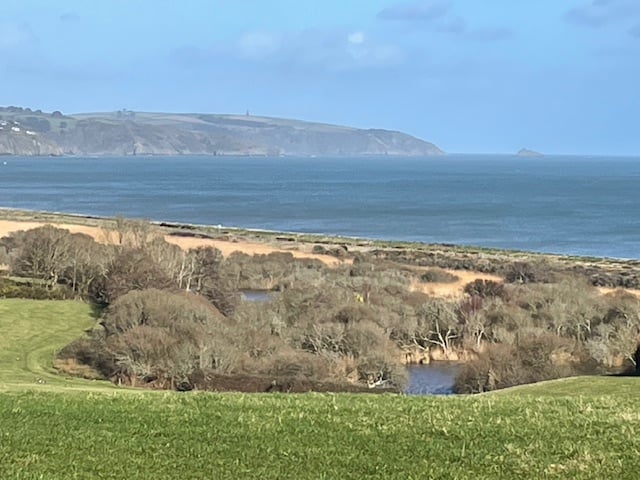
x=8, y=213
x=447, y=155
x=126, y=132
x=5, y=155
x=467, y=263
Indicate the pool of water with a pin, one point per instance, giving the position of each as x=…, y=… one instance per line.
x=257, y=295
x=433, y=379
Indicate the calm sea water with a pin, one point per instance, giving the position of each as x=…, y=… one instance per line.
x=573, y=205
x=434, y=379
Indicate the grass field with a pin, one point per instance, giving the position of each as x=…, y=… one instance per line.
x=31, y=332
x=65, y=428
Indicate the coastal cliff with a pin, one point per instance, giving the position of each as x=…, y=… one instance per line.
x=27, y=132
x=16, y=140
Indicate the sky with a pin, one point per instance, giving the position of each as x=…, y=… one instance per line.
x=472, y=76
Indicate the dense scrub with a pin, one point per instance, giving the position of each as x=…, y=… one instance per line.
x=438, y=275
x=537, y=269
x=175, y=319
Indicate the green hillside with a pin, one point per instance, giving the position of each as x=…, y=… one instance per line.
x=576, y=428
x=31, y=332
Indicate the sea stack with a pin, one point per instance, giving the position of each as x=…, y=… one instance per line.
x=525, y=152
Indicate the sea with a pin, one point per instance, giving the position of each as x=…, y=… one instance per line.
x=577, y=205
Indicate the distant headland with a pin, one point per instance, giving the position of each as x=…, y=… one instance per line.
x=28, y=132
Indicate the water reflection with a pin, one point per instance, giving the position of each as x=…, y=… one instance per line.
x=257, y=295
x=433, y=379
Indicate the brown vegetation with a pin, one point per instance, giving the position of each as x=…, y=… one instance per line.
x=174, y=318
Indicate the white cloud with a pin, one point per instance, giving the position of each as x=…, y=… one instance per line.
x=259, y=44
x=305, y=50
x=356, y=38
x=314, y=48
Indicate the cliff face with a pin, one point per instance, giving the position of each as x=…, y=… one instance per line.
x=27, y=145
x=129, y=133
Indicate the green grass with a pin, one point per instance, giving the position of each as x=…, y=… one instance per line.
x=575, y=428
x=588, y=387
x=31, y=332
x=194, y=436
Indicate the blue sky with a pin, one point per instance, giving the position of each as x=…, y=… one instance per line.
x=469, y=75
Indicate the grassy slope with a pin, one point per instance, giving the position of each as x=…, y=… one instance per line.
x=30, y=334
x=578, y=428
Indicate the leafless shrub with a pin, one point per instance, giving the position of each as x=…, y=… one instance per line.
x=267, y=272
x=438, y=275
x=378, y=370
x=132, y=233
x=129, y=270
x=162, y=337
x=41, y=253
x=340, y=251
x=484, y=289
x=4, y=255
x=527, y=272
x=530, y=360
x=87, y=262
x=296, y=364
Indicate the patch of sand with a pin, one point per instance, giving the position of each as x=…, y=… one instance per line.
x=609, y=290
x=225, y=246
x=9, y=226
x=250, y=248
x=453, y=289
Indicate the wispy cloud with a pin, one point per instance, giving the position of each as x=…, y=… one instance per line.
x=600, y=13
x=453, y=24
x=333, y=50
x=312, y=49
x=422, y=11
x=259, y=44
x=69, y=17
x=15, y=36
x=439, y=16
x=491, y=34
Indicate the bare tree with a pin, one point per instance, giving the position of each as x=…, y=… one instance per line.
x=42, y=253
x=87, y=261
x=161, y=336
x=440, y=324
x=130, y=270
x=131, y=233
